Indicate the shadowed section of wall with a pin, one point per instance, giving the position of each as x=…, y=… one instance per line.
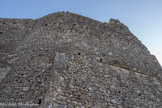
x=68, y=60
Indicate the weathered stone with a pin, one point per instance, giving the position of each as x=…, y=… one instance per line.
x=64, y=60
x=25, y=88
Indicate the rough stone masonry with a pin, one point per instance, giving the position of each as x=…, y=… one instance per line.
x=65, y=60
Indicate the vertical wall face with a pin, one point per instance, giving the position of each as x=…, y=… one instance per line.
x=92, y=83
x=67, y=60
x=12, y=33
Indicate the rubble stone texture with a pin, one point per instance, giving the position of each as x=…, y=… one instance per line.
x=65, y=60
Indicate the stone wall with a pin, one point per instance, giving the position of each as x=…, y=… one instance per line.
x=65, y=60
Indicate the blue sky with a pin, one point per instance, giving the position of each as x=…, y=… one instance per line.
x=143, y=17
